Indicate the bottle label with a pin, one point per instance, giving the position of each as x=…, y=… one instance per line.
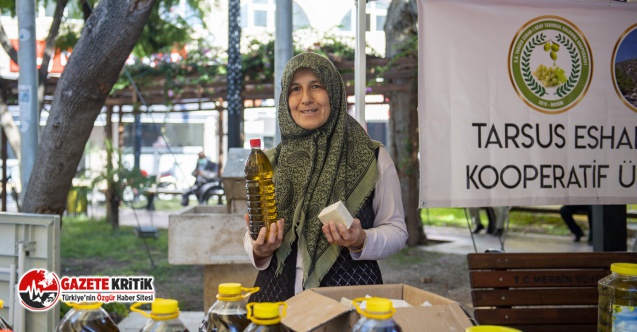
x=624, y=318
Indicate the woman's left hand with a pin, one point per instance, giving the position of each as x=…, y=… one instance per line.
x=340, y=235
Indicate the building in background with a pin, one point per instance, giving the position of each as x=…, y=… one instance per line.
x=171, y=141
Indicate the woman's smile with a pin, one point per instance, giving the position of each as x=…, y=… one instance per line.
x=308, y=100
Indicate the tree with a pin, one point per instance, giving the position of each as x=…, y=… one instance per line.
x=106, y=41
x=401, y=41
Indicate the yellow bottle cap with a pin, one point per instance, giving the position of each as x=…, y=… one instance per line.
x=624, y=268
x=490, y=328
x=266, y=310
x=1, y=304
x=86, y=305
x=378, y=305
x=164, y=306
x=232, y=288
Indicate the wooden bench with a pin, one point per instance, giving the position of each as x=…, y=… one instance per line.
x=539, y=291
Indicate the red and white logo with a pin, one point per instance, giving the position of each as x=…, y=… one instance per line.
x=39, y=290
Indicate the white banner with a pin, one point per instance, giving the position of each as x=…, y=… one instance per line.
x=527, y=102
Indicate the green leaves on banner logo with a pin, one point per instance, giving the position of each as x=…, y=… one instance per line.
x=566, y=88
x=537, y=88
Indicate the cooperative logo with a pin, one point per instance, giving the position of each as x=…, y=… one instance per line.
x=39, y=289
x=550, y=64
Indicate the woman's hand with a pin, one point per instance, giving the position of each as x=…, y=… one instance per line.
x=342, y=236
x=262, y=248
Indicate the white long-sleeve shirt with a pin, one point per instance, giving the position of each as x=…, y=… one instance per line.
x=387, y=237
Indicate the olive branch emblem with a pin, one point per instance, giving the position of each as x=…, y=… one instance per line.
x=537, y=88
x=566, y=88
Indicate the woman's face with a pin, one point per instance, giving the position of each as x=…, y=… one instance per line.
x=308, y=100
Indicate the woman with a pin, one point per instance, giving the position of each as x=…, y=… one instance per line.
x=325, y=156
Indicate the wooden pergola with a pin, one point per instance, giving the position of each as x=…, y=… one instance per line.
x=398, y=79
x=190, y=93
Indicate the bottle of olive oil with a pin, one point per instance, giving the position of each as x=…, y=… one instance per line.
x=87, y=317
x=228, y=313
x=260, y=190
x=376, y=317
x=265, y=317
x=617, y=305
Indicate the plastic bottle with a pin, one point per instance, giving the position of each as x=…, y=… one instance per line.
x=86, y=317
x=260, y=190
x=164, y=316
x=228, y=313
x=617, y=298
x=4, y=326
x=376, y=317
x=265, y=317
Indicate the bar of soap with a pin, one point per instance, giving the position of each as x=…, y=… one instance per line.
x=338, y=213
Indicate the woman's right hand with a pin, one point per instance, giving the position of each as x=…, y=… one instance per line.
x=262, y=248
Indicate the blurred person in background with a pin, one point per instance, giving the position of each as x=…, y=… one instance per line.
x=204, y=172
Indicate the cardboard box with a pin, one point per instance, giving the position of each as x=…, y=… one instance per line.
x=319, y=309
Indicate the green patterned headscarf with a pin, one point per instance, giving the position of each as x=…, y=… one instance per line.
x=315, y=168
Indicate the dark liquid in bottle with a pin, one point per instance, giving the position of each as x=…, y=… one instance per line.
x=229, y=323
x=96, y=325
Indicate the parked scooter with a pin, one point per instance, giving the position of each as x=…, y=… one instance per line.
x=206, y=186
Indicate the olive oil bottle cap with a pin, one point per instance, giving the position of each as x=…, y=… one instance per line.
x=164, y=306
x=86, y=305
x=230, y=288
x=255, y=143
x=266, y=313
x=266, y=310
x=378, y=305
x=624, y=268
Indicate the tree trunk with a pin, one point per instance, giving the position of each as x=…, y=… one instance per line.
x=107, y=39
x=400, y=26
x=112, y=199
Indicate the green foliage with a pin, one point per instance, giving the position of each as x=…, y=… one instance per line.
x=106, y=252
x=64, y=308
x=161, y=35
x=518, y=221
x=121, y=177
x=258, y=63
x=84, y=237
x=204, y=64
x=529, y=222
x=7, y=7
x=625, y=83
x=116, y=309
x=67, y=37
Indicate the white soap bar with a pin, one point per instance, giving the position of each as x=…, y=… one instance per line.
x=338, y=213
